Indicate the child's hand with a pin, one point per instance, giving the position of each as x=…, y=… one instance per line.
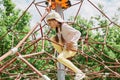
x=69, y=45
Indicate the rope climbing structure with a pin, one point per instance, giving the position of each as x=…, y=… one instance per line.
x=40, y=62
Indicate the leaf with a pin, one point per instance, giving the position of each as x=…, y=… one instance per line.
x=111, y=55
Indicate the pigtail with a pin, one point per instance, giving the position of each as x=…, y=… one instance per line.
x=57, y=31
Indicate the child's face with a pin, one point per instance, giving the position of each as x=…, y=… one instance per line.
x=52, y=23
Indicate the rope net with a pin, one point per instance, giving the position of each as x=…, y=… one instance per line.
x=41, y=60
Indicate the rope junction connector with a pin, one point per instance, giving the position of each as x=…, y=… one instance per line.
x=19, y=57
x=39, y=23
x=14, y=50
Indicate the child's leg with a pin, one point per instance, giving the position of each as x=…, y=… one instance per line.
x=62, y=58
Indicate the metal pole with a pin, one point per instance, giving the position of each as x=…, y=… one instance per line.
x=61, y=67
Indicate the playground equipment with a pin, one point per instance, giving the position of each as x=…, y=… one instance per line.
x=8, y=67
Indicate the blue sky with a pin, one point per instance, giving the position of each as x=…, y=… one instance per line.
x=110, y=7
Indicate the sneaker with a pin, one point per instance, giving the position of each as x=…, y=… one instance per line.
x=79, y=76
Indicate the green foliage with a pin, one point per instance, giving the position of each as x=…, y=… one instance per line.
x=8, y=17
x=11, y=33
x=9, y=6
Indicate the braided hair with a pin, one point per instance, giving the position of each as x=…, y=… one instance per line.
x=57, y=31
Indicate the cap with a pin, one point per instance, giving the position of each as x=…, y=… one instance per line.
x=54, y=15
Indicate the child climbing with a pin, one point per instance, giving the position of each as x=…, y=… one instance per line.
x=68, y=37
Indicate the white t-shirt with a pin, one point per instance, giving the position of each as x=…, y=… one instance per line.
x=70, y=34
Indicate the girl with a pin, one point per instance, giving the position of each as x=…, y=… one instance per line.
x=68, y=37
